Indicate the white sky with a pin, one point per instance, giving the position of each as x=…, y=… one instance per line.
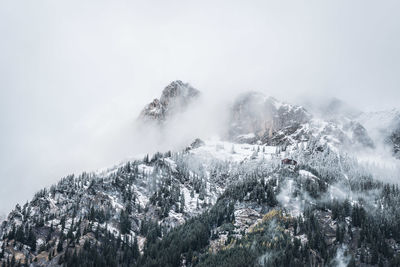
x=74, y=74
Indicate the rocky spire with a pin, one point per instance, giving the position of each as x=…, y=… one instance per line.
x=175, y=98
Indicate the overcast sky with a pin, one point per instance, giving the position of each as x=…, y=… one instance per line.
x=74, y=74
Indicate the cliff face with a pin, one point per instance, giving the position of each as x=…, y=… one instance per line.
x=255, y=117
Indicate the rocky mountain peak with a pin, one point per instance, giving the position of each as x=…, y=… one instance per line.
x=179, y=91
x=175, y=98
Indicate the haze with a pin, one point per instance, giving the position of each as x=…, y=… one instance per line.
x=75, y=74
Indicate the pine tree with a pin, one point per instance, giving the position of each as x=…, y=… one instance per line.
x=19, y=235
x=125, y=224
x=11, y=234
x=135, y=248
x=13, y=260
x=31, y=240
x=60, y=244
x=182, y=203
x=271, y=199
x=146, y=159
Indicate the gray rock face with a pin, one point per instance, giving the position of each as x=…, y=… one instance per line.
x=394, y=138
x=359, y=134
x=255, y=117
x=175, y=98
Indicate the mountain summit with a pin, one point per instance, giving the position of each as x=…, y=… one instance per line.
x=175, y=98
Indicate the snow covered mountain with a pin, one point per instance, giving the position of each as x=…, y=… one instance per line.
x=222, y=202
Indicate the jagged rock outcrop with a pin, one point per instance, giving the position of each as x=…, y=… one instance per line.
x=175, y=98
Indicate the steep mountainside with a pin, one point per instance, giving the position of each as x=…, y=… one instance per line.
x=283, y=190
x=220, y=204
